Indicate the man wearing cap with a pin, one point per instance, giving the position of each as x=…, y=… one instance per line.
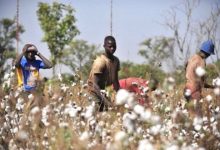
x=30, y=66
x=195, y=80
x=104, y=72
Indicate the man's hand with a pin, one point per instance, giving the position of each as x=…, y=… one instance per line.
x=106, y=100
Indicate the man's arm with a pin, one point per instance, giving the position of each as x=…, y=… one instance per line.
x=116, y=84
x=47, y=63
x=96, y=86
x=206, y=85
x=98, y=90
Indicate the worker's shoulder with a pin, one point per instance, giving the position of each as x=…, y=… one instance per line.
x=195, y=57
x=104, y=58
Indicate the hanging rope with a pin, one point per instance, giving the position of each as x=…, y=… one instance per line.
x=111, y=16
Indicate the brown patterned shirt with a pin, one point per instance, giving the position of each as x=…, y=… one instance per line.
x=108, y=70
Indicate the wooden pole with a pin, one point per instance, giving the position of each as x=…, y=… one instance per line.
x=17, y=25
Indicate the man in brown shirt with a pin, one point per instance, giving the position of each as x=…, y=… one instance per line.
x=104, y=72
x=195, y=80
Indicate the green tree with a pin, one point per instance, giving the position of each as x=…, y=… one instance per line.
x=129, y=69
x=8, y=30
x=157, y=49
x=79, y=55
x=58, y=23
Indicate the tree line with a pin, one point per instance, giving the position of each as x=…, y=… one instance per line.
x=58, y=23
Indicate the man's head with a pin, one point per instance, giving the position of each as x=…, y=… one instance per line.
x=207, y=48
x=153, y=84
x=109, y=45
x=30, y=51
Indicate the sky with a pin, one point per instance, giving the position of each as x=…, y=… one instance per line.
x=133, y=22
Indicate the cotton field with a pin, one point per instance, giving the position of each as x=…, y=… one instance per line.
x=65, y=117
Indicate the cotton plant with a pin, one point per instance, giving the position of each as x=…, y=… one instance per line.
x=129, y=121
x=45, y=116
x=64, y=88
x=123, y=97
x=20, y=104
x=131, y=127
x=145, y=145
x=120, y=141
x=71, y=110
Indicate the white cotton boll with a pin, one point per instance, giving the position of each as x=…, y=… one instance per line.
x=167, y=109
x=197, y=127
x=129, y=121
x=200, y=71
x=126, y=106
x=22, y=135
x=7, y=96
x=197, y=120
x=158, y=92
x=120, y=136
x=31, y=97
x=155, y=119
x=90, y=110
x=209, y=98
x=217, y=91
x=12, y=74
x=84, y=136
x=132, y=116
x=63, y=124
x=101, y=123
x=146, y=115
x=155, y=129
x=19, y=106
x=131, y=101
x=122, y=96
x=71, y=111
x=6, y=84
x=145, y=145
x=212, y=119
x=145, y=90
x=172, y=147
x=14, y=130
x=205, y=119
x=3, y=105
x=64, y=88
x=187, y=92
x=60, y=77
x=45, y=121
x=17, y=93
x=216, y=82
x=35, y=110
x=92, y=122
x=7, y=109
x=6, y=76
x=74, y=84
x=197, y=123
x=20, y=100
x=217, y=109
x=171, y=80
x=138, y=109
x=140, y=130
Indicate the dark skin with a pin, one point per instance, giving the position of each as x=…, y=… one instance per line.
x=30, y=56
x=205, y=55
x=110, y=48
